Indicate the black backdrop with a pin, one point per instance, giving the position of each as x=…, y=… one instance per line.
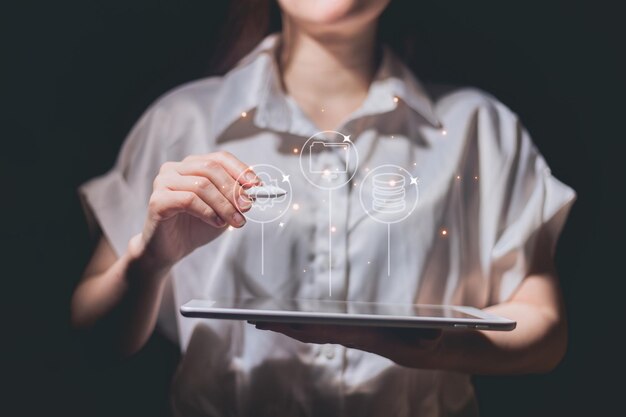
x=79, y=73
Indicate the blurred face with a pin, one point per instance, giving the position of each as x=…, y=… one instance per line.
x=336, y=15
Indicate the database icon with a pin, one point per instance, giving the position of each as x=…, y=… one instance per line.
x=389, y=194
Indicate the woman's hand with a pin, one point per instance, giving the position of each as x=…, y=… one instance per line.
x=417, y=348
x=191, y=204
x=537, y=344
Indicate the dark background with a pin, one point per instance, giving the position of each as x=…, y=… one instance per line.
x=78, y=74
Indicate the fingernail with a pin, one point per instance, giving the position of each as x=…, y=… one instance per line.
x=239, y=219
x=251, y=177
x=243, y=201
x=219, y=222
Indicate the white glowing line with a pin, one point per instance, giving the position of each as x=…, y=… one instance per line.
x=330, y=245
x=388, y=249
x=262, y=249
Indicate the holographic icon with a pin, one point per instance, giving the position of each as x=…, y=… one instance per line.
x=268, y=195
x=269, y=201
x=389, y=194
x=330, y=172
x=329, y=160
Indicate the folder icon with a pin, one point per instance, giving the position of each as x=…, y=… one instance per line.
x=341, y=165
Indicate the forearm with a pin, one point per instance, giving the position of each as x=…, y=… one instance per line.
x=121, y=303
x=536, y=345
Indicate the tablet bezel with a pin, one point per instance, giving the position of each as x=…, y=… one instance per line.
x=484, y=321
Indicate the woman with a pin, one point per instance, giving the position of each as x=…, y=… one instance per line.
x=483, y=233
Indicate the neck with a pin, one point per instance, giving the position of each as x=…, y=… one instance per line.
x=327, y=75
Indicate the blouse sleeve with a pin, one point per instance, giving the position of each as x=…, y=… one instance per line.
x=117, y=201
x=525, y=206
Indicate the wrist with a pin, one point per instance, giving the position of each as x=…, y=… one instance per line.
x=142, y=262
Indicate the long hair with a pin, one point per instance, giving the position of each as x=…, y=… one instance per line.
x=249, y=21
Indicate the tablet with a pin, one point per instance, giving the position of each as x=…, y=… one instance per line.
x=346, y=313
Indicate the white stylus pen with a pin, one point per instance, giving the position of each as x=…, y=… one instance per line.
x=265, y=191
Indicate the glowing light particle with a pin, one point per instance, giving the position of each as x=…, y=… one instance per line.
x=295, y=150
x=281, y=224
x=296, y=206
x=444, y=232
x=333, y=229
x=244, y=114
x=395, y=99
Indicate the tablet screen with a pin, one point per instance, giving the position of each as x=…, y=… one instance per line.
x=347, y=307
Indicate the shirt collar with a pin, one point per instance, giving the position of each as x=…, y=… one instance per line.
x=255, y=84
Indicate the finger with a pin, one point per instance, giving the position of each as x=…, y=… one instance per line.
x=216, y=173
x=298, y=332
x=239, y=171
x=167, y=203
x=412, y=335
x=430, y=334
x=210, y=194
x=350, y=336
x=168, y=167
x=341, y=334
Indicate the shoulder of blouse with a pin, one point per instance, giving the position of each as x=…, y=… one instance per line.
x=183, y=106
x=450, y=98
x=189, y=97
x=481, y=109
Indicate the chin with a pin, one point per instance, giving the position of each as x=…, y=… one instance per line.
x=332, y=12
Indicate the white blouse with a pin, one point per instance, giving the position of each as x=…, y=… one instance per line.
x=481, y=194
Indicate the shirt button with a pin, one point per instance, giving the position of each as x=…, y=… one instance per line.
x=329, y=351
